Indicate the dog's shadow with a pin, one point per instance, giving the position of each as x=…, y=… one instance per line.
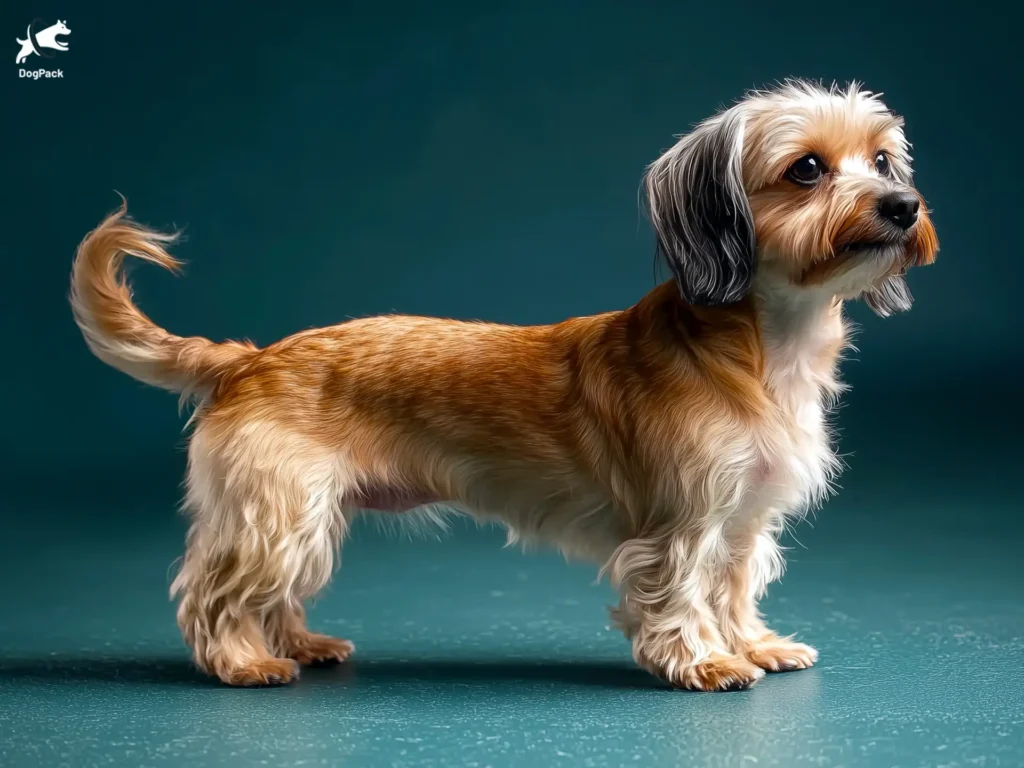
x=179, y=672
x=56, y=669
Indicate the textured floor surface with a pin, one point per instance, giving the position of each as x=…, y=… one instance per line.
x=468, y=654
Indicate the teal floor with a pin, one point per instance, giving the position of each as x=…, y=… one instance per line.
x=470, y=654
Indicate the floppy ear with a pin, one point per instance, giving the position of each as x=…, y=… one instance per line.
x=890, y=296
x=700, y=212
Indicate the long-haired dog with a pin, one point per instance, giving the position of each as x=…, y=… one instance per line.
x=668, y=442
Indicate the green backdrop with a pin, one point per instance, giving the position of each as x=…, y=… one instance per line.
x=476, y=160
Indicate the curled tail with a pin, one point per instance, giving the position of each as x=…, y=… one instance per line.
x=120, y=334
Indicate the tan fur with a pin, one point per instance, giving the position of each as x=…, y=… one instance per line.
x=665, y=442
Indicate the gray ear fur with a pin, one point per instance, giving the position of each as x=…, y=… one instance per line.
x=700, y=212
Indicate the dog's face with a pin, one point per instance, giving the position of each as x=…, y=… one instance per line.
x=813, y=186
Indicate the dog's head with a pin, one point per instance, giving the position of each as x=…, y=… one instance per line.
x=808, y=184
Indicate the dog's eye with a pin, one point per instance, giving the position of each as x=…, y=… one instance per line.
x=882, y=164
x=807, y=170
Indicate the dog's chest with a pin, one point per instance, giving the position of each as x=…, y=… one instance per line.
x=800, y=462
x=801, y=342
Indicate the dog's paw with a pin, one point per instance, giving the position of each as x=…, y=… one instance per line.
x=719, y=672
x=779, y=654
x=312, y=649
x=261, y=673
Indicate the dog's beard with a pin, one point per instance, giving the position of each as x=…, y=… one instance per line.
x=875, y=273
x=890, y=296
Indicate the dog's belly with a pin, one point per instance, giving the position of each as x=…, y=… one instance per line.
x=388, y=499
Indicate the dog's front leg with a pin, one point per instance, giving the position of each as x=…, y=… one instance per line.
x=755, y=561
x=665, y=583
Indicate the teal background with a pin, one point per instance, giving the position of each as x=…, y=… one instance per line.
x=483, y=161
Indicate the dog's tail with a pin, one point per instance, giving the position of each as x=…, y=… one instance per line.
x=121, y=335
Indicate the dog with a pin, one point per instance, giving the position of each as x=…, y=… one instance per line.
x=669, y=443
x=45, y=38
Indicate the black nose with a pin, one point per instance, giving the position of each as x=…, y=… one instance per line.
x=900, y=208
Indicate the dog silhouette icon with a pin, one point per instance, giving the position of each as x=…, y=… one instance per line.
x=35, y=42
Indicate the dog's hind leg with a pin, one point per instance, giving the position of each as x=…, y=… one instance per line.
x=262, y=541
x=224, y=592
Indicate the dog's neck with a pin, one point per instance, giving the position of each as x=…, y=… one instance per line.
x=790, y=339
x=803, y=334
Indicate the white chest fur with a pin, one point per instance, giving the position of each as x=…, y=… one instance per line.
x=802, y=339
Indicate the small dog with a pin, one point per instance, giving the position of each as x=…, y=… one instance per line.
x=669, y=442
